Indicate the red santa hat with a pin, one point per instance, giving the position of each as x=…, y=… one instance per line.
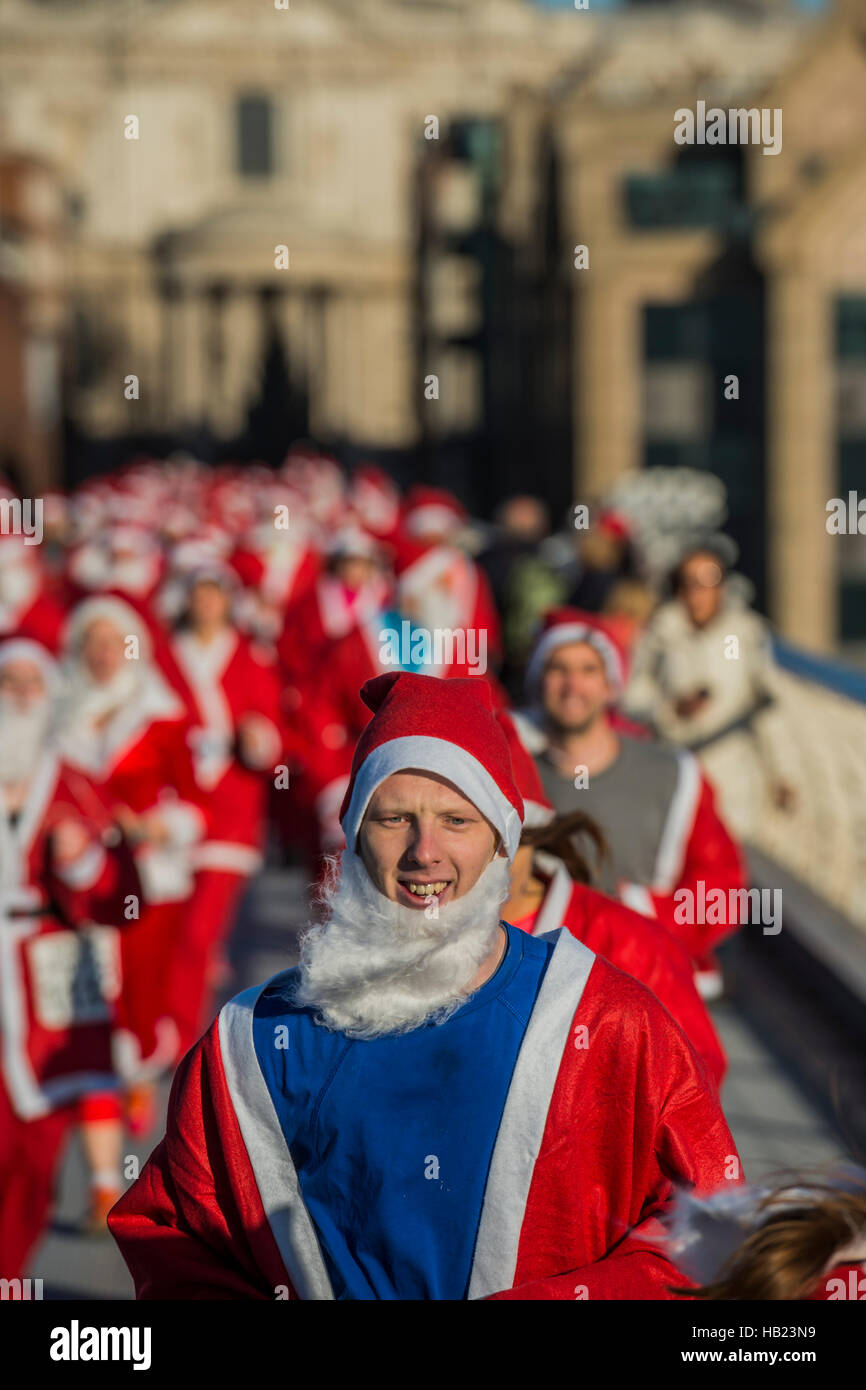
x=432, y=725
x=561, y=627
x=375, y=498
x=431, y=512
x=352, y=541
x=536, y=806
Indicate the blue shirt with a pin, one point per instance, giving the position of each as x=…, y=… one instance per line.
x=392, y=1137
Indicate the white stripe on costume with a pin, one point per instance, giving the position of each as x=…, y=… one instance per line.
x=637, y=897
x=552, y=911
x=525, y=1115
x=678, y=825
x=268, y=1152
x=230, y=856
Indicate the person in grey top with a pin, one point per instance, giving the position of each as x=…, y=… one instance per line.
x=668, y=848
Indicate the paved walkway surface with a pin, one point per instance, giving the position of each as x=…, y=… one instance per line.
x=775, y=1126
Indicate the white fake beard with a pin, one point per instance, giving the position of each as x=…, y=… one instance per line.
x=378, y=967
x=23, y=739
x=85, y=701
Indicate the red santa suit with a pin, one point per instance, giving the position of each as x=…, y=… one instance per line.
x=442, y=589
x=59, y=980
x=632, y=942
x=325, y=643
x=26, y=609
x=576, y=1188
x=640, y=947
x=141, y=760
x=606, y=1105
x=277, y=568
x=222, y=682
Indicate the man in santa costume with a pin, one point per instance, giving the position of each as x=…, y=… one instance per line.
x=122, y=724
x=433, y=641
x=64, y=868
x=550, y=889
x=433, y=1104
x=654, y=807
x=27, y=609
x=327, y=638
x=230, y=687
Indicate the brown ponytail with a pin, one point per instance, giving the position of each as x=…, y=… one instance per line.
x=786, y=1256
x=557, y=838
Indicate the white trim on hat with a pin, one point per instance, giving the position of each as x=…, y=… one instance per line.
x=432, y=514
x=448, y=760
x=536, y=813
x=562, y=635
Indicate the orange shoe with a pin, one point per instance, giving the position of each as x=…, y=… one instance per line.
x=102, y=1199
x=141, y=1108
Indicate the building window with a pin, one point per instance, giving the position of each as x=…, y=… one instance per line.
x=255, y=136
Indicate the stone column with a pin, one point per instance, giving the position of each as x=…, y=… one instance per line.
x=801, y=463
x=607, y=396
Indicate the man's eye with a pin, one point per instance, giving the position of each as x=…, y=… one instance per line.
x=390, y=820
x=458, y=820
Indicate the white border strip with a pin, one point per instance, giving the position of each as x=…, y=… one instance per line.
x=449, y=760
x=551, y=914
x=525, y=1115
x=680, y=819
x=268, y=1152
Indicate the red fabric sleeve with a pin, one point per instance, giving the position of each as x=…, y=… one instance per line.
x=192, y=1225
x=713, y=857
x=103, y=901
x=643, y=948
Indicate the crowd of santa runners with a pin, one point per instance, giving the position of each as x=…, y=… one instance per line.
x=182, y=657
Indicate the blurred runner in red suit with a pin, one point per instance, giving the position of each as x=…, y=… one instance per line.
x=122, y=724
x=63, y=867
x=230, y=687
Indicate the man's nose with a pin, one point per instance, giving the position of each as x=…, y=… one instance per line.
x=423, y=848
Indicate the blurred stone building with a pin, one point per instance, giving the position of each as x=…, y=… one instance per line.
x=711, y=261
x=429, y=167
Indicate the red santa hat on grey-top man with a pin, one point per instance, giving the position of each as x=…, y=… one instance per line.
x=384, y=963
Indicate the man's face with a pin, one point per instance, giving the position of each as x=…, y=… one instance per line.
x=102, y=650
x=208, y=603
x=702, y=588
x=575, y=690
x=22, y=685
x=420, y=832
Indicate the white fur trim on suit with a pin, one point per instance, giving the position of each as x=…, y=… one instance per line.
x=524, y=1117
x=230, y=856
x=447, y=760
x=678, y=825
x=638, y=898
x=274, y=1172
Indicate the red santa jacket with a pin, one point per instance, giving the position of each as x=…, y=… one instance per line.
x=638, y=946
x=146, y=765
x=220, y=685
x=41, y=619
x=59, y=967
x=695, y=849
x=608, y=1107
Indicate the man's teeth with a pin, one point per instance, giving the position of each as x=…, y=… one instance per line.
x=426, y=890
